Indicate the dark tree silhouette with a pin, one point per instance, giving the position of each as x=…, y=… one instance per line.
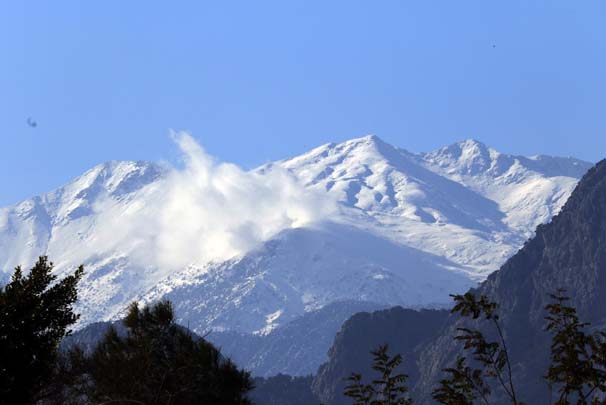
x=463, y=387
x=466, y=383
x=578, y=361
x=387, y=389
x=35, y=314
x=157, y=362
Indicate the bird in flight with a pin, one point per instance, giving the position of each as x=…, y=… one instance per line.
x=31, y=122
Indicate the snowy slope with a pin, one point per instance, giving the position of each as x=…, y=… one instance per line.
x=465, y=202
x=303, y=269
x=408, y=229
x=528, y=190
x=63, y=225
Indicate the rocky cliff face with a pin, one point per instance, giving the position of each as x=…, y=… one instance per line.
x=569, y=252
x=404, y=330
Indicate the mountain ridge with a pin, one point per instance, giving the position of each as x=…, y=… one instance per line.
x=431, y=234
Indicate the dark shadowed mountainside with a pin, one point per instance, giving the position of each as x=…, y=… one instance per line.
x=569, y=252
x=283, y=389
x=402, y=329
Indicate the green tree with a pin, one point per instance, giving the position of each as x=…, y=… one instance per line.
x=159, y=362
x=463, y=386
x=465, y=383
x=578, y=359
x=35, y=314
x=387, y=389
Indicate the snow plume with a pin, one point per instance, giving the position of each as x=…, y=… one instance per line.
x=206, y=211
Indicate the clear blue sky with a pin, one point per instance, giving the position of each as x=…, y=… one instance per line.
x=258, y=80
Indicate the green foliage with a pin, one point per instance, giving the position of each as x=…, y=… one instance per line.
x=157, y=362
x=463, y=387
x=578, y=359
x=386, y=389
x=35, y=314
x=466, y=384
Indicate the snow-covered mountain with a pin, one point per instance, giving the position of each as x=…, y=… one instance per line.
x=408, y=229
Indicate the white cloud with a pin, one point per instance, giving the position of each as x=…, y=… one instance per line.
x=205, y=211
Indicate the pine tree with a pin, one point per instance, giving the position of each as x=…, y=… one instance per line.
x=35, y=314
x=159, y=362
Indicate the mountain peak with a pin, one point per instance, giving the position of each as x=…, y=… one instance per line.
x=472, y=142
x=370, y=137
x=468, y=157
x=356, y=151
x=473, y=147
x=366, y=138
x=370, y=140
x=115, y=176
x=469, y=147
